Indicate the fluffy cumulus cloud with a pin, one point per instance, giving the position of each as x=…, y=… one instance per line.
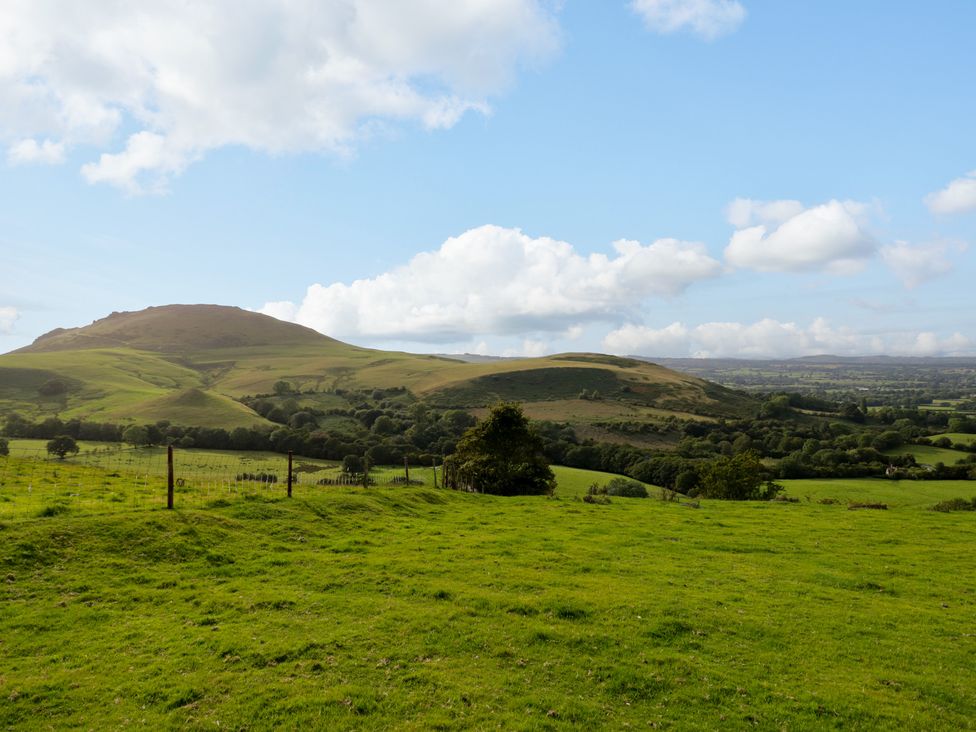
x=915, y=264
x=280, y=76
x=32, y=151
x=784, y=236
x=957, y=197
x=500, y=281
x=8, y=316
x=708, y=19
x=768, y=338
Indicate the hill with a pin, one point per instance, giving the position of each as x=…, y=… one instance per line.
x=412, y=608
x=192, y=364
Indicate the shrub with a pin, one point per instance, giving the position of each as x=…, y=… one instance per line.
x=258, y=477
x=955, y=504
x=626, y=488
x=877, y=506
x=597, y=498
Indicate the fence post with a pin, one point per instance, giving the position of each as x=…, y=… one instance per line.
x=289, y=473
x=406, y=469
x=365, y=472
x=433, y=465
x=169, y=477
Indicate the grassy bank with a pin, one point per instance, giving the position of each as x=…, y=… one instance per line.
x=419, y=608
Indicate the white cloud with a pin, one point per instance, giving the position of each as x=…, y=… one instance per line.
x=708, y=19
x=745, y=212
x=630, y=339
x=957, y=197
x=29, y=151
x=782, y=236
x=281, y=76
x=915, y=264
x=529, y=348
x=499, y=281
x=8, y=316
x=768, y=338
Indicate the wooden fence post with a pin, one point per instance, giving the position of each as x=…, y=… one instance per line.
x=289, y=473
x=406, y=469
x=433, y=465
x=169, y=477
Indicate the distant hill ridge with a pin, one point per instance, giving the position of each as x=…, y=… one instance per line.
x=174, y=328
x=193, y=364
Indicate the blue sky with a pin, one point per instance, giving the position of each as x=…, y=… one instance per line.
x=658, y=177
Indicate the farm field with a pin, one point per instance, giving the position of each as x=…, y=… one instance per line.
x=958, y=438
x=422, y=608
x=929, y=455
x=110, y=477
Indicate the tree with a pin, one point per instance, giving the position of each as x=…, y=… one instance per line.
x=61, y=446
x=352, y=464
x=282, y=387
x=502, y=455
x=741, y=477
x=136, y=435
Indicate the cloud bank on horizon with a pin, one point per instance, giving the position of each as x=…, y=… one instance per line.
x=497, y=281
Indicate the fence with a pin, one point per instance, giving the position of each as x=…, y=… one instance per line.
x=106, y=479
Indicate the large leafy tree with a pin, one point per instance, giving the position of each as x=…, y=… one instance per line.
x=741, y=477
x=502, y=455
x=62, y=445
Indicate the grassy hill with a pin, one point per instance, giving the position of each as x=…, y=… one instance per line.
x=189, y=363
x=422, y=609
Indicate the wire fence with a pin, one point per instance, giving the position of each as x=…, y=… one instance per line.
x=34, y=484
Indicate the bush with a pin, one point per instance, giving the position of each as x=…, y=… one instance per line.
x=955, y=504
x=626, y=488
x=258, y=477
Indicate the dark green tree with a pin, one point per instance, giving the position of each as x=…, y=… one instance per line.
x=62, y=445
x=502, y=455
x=741, y=477
x=136, y=435
x=282, y=387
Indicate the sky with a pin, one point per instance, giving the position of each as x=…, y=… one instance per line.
x=711, y=178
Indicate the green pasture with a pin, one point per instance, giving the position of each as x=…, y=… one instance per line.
x=929, y=455
x=111, y=477
x=412, y=608
x=896, y=494
x=958, y=438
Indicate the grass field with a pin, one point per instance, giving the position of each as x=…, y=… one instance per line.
x=106, y=477
x=420, y=609
x=929, y=455
x=958, y=438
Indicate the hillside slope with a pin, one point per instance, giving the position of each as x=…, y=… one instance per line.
x=190, y=363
